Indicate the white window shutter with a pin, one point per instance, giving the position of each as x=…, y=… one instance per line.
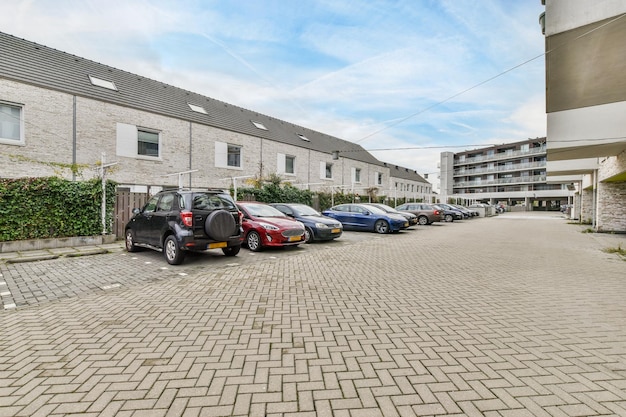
x=322, y=170
x=280, y=163
x=221, y=155
x=126, y=144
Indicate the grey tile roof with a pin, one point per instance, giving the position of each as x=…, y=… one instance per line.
x=35, y=64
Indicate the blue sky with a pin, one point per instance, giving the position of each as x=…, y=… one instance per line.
x=387, y=74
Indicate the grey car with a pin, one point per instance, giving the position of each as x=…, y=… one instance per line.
x=426, y=213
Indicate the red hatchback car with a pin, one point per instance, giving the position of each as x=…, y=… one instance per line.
x=265, y=226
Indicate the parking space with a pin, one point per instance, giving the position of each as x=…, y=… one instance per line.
x=506, y=316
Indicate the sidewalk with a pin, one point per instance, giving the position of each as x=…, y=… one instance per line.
x=54, y=253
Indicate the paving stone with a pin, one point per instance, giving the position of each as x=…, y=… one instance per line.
x=486, y=317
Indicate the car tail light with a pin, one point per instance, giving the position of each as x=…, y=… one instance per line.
x=437, y=212
x=187, y=218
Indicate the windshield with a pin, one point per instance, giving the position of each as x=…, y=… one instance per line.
x=262, y=210
x=376, y=210
x=304, y=210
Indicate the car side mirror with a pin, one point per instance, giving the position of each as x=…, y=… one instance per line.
x=136, y=210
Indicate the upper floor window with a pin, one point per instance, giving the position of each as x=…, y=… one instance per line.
x=290, y=164
x=234, y=156
x=228, y=155
x=379, y=178
x=134, y=142
x=357, y=175
x=147, y=143
x=11, y=124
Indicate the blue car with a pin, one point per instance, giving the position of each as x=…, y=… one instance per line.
x=316, y=226
x=364, y=217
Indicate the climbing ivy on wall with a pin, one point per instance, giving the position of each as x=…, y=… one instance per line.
x=51, y=207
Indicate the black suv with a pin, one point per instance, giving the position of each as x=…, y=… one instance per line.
x=182, y=220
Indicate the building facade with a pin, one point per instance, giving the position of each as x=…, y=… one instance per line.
x=585, y=105
x=65, y=115
x=513, y=174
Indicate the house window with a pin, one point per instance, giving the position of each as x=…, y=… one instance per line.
x=379, y=178
x=234, y=156
x=329, y=170
x=258, y=125
x=99, y=82
x=197, y=109
x=147, y=143
x=11, y=126
x=357, y=175
x=290, y=163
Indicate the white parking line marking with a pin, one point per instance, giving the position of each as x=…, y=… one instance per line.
x=9, y=306
x=5, y=293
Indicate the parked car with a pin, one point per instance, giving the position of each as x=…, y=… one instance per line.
x=451, y=213
x=264, y=226
x=316, y=225
x=178, y=221
x=426, y=213
x=412, y=218
x=364, y=217
x=470, y=212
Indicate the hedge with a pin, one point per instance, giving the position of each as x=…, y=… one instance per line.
x=50, y=207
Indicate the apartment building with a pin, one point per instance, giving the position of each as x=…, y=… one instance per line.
x=62, y=115
x=513, y=174
x=585, y=105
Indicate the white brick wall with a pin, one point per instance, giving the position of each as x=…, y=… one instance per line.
x=49, y=139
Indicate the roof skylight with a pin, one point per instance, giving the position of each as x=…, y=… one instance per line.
x=259, y=125
x=197, y=109
x=303, y=137
x=102, y=83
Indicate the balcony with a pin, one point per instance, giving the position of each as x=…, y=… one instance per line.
x=501, y=181
x=496, y=169
x=502, y=156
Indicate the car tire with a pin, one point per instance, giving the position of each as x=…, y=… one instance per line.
x=253, y=241
x=308, y=235
x=422, y=220
x=130, y=241
x=174, y=255
x=381, y=226
x=449, y=218
x=220, y=225
x=231, y=250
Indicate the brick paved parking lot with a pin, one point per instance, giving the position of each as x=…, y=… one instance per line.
x=517, y=315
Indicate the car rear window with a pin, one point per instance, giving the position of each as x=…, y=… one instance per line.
x=203, y=201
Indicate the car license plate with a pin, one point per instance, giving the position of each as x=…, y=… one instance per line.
x=217, y=245
x=335, y=231
x=295, y=238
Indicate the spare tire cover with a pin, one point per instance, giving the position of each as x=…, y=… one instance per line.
x=220, y=225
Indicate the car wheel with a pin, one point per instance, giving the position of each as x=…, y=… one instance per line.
x=449, y=218
x=422, y=220
x=381, y=226
x=231, y=250
x=173, y=254
x=220, y=225
x=130, y=241
x=308, y=235
x=253, y=240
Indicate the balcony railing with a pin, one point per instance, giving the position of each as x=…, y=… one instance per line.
x=499, y=181
x=502, y=155
x=500, y=168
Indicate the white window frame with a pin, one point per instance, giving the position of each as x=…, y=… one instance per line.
x=323, y=170
x=221, y=155
x=379, y=178
x=356, y=175
x=150, y=131
x=197, y=109
x=258, y=125
x=12, y=141
x=99, y=82
x=293, y=164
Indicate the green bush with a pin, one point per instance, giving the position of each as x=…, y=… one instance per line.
x=50, y=207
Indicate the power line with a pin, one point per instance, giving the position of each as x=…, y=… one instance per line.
x=486, y=81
